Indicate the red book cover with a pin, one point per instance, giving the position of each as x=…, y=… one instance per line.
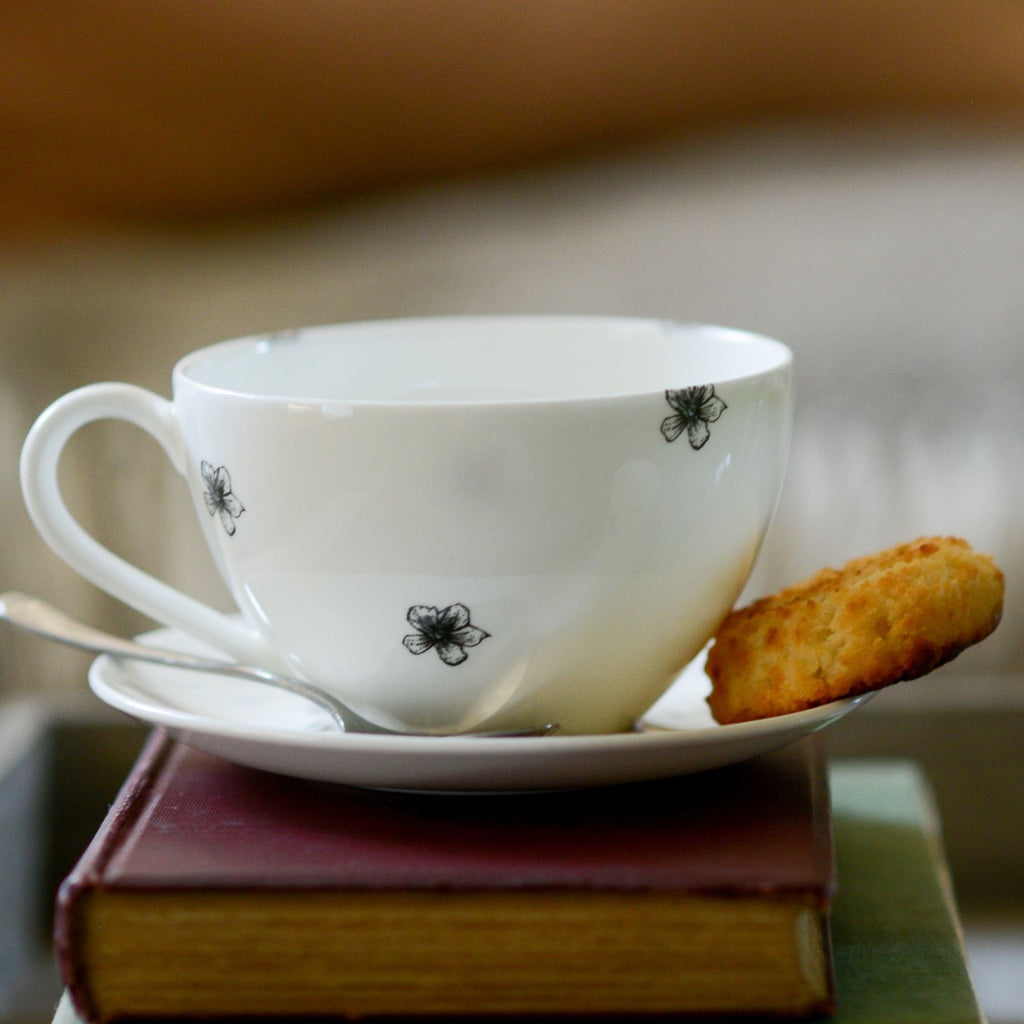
x=584, y=895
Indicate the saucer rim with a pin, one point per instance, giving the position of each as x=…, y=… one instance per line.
x=452, y=763
x=166, y=715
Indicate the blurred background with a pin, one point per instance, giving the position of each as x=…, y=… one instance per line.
x=848, y=177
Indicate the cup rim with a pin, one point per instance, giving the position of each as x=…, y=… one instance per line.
x=780, y=356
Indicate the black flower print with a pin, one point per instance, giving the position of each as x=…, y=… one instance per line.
x=220, y=499
x=448, y=631
x=695, y=409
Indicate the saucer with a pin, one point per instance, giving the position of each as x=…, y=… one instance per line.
x=265, y=728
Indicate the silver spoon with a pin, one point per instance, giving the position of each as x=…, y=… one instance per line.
x=34, y=615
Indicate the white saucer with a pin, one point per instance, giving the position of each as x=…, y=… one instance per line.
x=272, y=730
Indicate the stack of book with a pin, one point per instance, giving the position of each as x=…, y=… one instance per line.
x=213, y=890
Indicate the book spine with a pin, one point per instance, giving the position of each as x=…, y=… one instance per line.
x=814, y=749
x=88, y=873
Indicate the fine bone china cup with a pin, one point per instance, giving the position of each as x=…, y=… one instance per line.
x=456, y=523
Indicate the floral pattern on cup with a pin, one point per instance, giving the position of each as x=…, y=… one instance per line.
x=220, y=499
x=694, y=408
x=448, y=631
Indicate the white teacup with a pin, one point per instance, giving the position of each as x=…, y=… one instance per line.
x=459, y=523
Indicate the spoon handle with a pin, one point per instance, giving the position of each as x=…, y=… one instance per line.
x=37, y=616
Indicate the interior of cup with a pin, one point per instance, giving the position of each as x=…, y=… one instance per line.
x=475, y=359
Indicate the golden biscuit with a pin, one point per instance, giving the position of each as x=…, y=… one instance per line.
x=880, y=619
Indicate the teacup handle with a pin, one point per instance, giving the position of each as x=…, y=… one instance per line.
x=40, y=458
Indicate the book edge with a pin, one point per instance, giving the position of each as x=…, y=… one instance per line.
x=87, y=874
x=823, y=806
x=445, y=937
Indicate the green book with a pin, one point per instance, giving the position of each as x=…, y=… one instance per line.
x=898, y=948
x=896, y=937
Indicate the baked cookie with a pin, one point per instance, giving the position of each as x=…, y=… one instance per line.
x=880, y=619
